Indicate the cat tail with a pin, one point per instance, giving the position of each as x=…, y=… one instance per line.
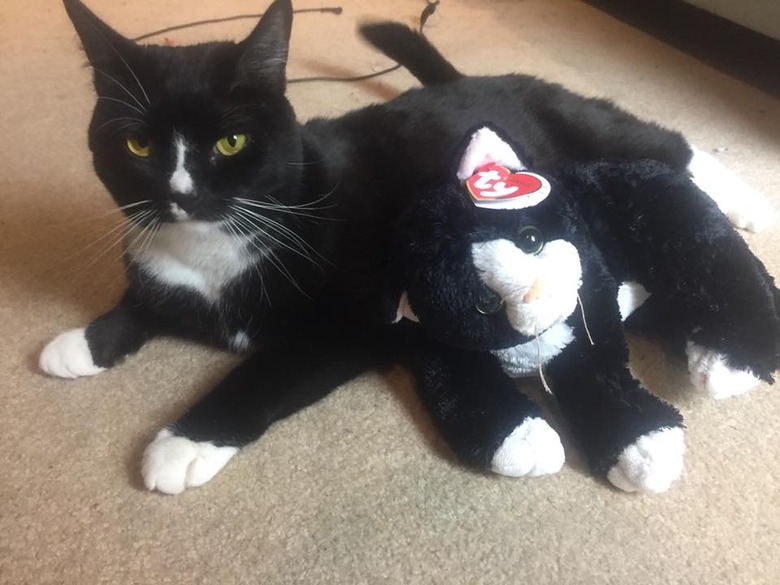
x=411, y=50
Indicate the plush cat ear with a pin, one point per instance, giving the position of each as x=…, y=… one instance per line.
x=485, y=146
x=265, y=50
x=102, y=44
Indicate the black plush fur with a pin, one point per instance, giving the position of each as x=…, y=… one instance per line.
x=635, y=221
x=329, y=193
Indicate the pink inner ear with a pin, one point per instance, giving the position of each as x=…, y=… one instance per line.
x=487, y=147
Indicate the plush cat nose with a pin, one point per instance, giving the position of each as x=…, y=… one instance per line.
x=539, y=286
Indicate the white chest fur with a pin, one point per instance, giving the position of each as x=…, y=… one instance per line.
x=195, y=255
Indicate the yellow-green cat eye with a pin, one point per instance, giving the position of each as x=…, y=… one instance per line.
x=138, y=146
x=231, y=144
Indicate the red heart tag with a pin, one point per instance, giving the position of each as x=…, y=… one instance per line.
x=495, y=186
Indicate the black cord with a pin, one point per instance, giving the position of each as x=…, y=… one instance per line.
x=430, y=8
x=334, y=10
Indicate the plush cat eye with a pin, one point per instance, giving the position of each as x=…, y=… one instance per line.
x=231, y=144
x=490, y=305
x=138, y=146
x=530, y=239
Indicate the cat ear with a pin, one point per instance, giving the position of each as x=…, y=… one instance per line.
x=485, y=146
x=265, y=50
x=102, y=44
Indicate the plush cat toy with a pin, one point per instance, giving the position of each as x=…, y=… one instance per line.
x=509, y=273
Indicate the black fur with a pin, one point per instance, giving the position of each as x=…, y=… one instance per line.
x=638, y=221
x=341, y=184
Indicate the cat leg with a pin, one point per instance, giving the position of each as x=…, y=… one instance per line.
x=484, y=419
x=269, y=385
x=102, y=344
x=745, y=207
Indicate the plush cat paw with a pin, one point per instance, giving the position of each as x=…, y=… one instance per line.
x=531, y=449
x=650, y=464
x=68, y=356
x=711, y=374
x=172, y=464
x=745, y=207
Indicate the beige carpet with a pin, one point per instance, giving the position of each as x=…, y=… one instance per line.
x=357, y=489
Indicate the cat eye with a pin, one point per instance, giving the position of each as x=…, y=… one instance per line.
x=490, y=304
x=231, y=144
x=139, y=146
x=530, y=239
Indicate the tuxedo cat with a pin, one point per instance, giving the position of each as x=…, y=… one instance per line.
x=252, y=231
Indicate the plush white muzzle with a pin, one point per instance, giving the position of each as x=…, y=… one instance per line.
x=538, y=290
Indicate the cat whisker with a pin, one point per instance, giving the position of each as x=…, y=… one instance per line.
x=267, y=253
x=117, y=82
x=303, y=164
x=124, y=227
x=109, y=213
x=284, y=232
x=284, y=209
x=99, y=31
x=247, y=221
x=123, y=102
x=271, y=256
x=228, y=223
x=126, y=119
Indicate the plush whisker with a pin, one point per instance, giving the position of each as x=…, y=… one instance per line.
x=539, y=362
x=584, y=321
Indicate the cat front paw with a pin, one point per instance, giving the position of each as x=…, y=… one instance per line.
x=533, y=448
x=68, y=356
x=172, y=464
x=652, y=463
x=711, y=374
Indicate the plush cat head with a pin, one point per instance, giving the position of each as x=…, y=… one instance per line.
x=185, y=133
x=487, y=261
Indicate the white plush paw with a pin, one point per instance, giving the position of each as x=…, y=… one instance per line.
x=532, y=448
x=68, y=356
x=172, y=464
x=650, y=464
x=754, y=216
x=745, y=207
x=711, y=374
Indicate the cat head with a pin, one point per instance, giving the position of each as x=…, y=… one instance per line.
x=487, y=260
x=185, y=133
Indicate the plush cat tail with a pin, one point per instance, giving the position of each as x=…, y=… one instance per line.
x=102, y=44
x=265, y=50
x=411, y=50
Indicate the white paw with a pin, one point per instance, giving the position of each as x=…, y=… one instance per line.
x=651, y=464
x=171, y=464
x=710, y=373
x=68, y=356
x=533, y=448
x=754, y=214
x=745, y=207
